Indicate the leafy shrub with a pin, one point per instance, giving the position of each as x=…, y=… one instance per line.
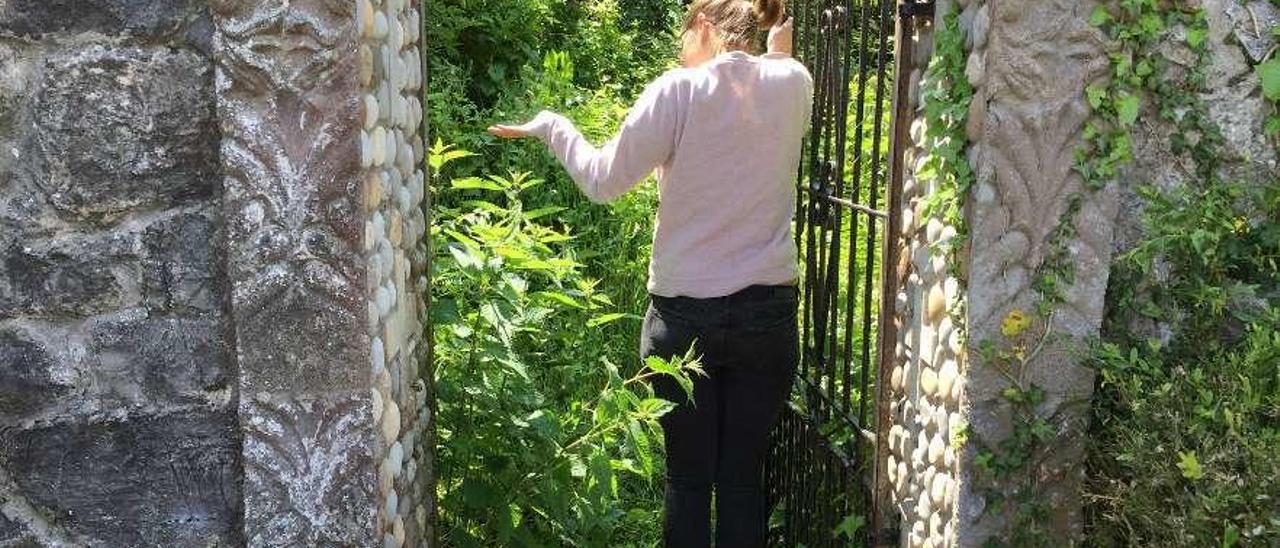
x=1187, y=419
x=539, y=433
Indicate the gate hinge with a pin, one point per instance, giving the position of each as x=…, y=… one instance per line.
x=913, y=8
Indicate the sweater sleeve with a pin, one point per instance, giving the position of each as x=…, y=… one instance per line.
x=645, y=141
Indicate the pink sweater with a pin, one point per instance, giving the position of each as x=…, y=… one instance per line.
x=725, y=140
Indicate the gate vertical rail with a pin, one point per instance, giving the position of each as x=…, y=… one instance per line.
x=826, y=486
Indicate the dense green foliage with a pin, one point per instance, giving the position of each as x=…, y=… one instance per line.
x=547, y=432
x=1188, y=424
x=1187, y=414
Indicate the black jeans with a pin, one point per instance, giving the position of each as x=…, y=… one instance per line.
x=749, y=347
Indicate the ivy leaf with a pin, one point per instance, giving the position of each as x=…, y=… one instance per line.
x=1269, y=73
x=1272, y=127
x=1096, y=94
x=1127, y=109
x=1230, y=536
x=1144, y=68
x=1196, y=36
x=1099, y=17
x=1190, y=465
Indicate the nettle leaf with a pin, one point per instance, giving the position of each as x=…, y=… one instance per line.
x=608, y=318
x=1269, y=73
x=561, y=298
x=542, y=212
x=641, y=446
x=469, y=183
x=465, y=258
x=850, y=526
x=1272, y=127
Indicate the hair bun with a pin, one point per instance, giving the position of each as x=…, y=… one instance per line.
x=769, y=12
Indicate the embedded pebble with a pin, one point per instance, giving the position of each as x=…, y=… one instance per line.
x=366, y=150
x=378, y=355
x=936, y=448
x=947, y=375
x=396, y=457
x=391, y=422
x=976, y=69
x=981, y=27
x=937, y=304
x=379, y=139
x=392, y=505
x=929, y=380
x=938, y=490
x=385, y=481
x=375, y=400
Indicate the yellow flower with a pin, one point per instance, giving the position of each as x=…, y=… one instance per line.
x=1015, y=323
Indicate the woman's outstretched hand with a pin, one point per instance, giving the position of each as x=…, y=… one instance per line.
x=780, y=37
x=527, y=129
x=512, y=132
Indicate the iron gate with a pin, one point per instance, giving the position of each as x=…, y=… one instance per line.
x=824, y=489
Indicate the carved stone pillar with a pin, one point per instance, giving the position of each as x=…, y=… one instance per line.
x=319, y=108
x=1029, y=63
x=1030, y=80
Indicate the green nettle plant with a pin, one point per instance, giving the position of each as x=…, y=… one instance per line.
x=538, y=437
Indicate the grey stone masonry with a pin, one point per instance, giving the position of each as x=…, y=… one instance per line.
x=212, y=274
x=117, y=376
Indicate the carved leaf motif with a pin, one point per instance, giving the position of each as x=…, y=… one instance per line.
x=287, y=168
x=314, y=455
x=1036, y=113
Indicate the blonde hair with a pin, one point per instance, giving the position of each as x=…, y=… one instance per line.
x=737, y=22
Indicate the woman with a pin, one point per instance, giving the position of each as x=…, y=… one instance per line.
x=723, y=133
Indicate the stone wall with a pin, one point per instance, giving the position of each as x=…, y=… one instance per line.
x=117, y=376
x=394, y=187
x=929, y=354
x=1238, y=39
x=212, y=273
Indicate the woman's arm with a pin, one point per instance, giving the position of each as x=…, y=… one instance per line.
x=645, y=141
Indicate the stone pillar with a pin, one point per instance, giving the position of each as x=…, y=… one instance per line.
x=1029, y=64
x=320, y=114
x=1030, y=80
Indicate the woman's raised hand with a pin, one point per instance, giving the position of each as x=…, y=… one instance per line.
x=527, y=129
x=512, y=132
x=780, y=37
